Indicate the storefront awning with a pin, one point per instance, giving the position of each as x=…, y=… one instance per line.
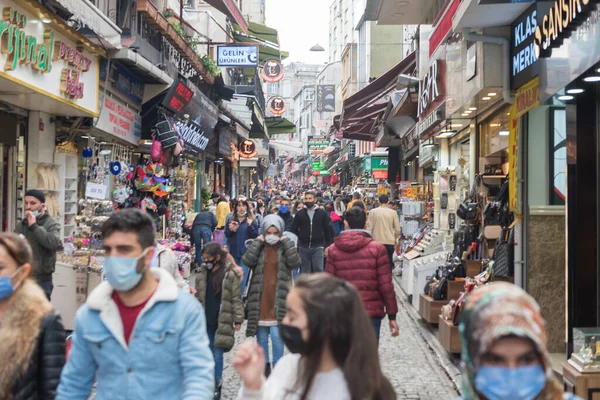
x=279, y=125
x=266, y=38
x=229, y=8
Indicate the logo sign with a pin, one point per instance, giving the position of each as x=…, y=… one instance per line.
x=326, y=98
x=277, y=105
x=248, y=149
x=119, y=120
x=124, y=81
x=317, y=145
x=527, y=97
x=178, y=96
x=272, y=71
x=379, y=164
x=428, y=88
x=193, y=136
x=316, y=165
x=237, y=56
x=431, y=120
x=563, y=17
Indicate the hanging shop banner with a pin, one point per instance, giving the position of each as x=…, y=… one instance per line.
x=178, y=96
x=277, y=105
x=527, y=97
x=326, y=98
x=367, y=164
x=379, y=163
x=119, y=120
x=44, y=60
x=248, y=149
x=225, y=138
x=123, y=81
x=316, y=166
x=317, y=145
x=237, y=56
x=193, y=135
x=272, y=71
x=557, y=24
x=513, y=160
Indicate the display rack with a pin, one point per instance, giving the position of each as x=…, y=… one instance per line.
x=67, y=196
x=446, y=198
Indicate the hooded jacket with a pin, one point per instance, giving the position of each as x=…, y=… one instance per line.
x=358, y=259
x=44, y=239
x=32, y=337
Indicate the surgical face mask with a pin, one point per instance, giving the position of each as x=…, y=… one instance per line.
x=272, y=239
x=284, y=209
x=309, y=204
x=292, y=338
x=121, y=272
x=242, y=214
x=500, y=383
x=6, y=286
x=37, y=212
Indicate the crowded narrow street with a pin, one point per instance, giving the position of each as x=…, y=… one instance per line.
x=417, y=366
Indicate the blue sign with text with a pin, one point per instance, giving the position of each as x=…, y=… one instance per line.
x=124, y=81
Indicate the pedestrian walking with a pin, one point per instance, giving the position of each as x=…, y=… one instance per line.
x=223, y=209
x=336, y=220
x=165, y=258
x=218, y=290
x=137, y=335
x=384, y=226
x=355, y=197
x=240, y=227
x=272, y=259
x=286, y=214
x=504, y=353
x=333, y=350
x=357, y=258
x=32, y=337
x=204, y=225
x=339, y=206
x=312, y=226
x=298, y=205
x=43, y=234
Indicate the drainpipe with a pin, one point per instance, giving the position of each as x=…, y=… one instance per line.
x=473, y=37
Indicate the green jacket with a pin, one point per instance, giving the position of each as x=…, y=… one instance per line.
x=254, y=258
x=44, y=239
x=232, y=310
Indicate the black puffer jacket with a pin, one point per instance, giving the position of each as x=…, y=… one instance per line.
x=37, y=350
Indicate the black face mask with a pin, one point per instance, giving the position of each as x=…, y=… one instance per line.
x=309, y=204
x=292, y=338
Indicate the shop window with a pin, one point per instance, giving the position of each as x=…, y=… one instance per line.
x=494, y=134
x=558, y=155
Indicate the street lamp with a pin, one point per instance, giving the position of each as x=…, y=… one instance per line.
x=317, y=47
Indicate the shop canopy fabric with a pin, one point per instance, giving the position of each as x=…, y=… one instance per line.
x=229, y=8
x=279, y=126
x=266, y=38
x=364, y=111
x=290, y=147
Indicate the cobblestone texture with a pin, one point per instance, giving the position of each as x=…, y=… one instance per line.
x=415, y=364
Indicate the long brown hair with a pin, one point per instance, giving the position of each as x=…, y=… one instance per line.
x=249, y=214
x=214, y=250
x=337, y=317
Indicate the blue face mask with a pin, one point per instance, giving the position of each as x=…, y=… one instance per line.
x=499, y=383
x=121, y=272
x=6, y=286
x=284, y=209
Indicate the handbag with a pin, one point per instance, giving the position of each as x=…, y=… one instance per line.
x=440, y=292
x=504, y=254
x=469, y=209
x=166, y=134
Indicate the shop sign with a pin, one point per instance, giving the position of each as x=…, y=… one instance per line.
x=178, y=96
x=248, y=149
x=437, y=116
x=128, y=84
x=95, y=190
x=316, y=165
x=225, y=139
x=119, y=120
x=513, y=160
x=326, y=98
x=237, y=56
x=29, y=56
x=272, y=71
x=380, y=174
x=367, y=164
x=277, y=106
x=425, y=153
x=316, y=145
x=563, y=17
x=429, y=88
x=443, y=28
x=379, y=164
x=193, y=136
x=527, y=97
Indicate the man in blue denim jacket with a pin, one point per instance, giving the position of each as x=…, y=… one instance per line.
x=138, y=335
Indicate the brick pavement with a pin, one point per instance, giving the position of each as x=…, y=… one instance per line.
x=415, y=364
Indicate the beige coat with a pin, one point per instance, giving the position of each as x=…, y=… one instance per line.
x=384, y=225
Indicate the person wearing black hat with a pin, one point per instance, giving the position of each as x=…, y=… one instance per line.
x=43, y=234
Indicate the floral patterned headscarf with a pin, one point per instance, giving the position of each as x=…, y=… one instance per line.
x=495, y=311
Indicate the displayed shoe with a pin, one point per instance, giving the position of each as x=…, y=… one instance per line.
x=218, y=387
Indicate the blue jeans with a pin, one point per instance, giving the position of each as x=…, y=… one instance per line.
x=376, y=322
x=312, y=259
x=202, y=235
x=262, y=336
x=217, y=353
x=246, y=270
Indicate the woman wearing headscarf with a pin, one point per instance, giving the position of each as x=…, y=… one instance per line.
x=504, y=351
x=271, y=258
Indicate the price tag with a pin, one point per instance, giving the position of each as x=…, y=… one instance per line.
x=95, y=191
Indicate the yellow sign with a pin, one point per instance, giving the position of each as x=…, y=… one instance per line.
x=411, y=192
x=527, y=97
x=513, y=159
x=381, y=189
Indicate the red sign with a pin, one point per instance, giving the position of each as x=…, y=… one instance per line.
x=272, y=71
x=248, y=149
x=380, y=174
x=443, y=27
x=178, y=97
x=277, y=105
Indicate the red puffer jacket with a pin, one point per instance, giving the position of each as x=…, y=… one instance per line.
x=356, y=258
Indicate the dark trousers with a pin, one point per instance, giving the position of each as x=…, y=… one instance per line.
x=376, y=322
x=390, y=252
x=47, y=286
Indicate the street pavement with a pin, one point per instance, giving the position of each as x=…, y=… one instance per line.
x=414, y=362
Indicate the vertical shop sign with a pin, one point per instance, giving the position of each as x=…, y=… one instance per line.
x=326, y=98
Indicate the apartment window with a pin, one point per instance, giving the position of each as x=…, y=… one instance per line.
x=273, y=88
x=309, y=95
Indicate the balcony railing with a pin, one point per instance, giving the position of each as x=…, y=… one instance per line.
x=247, y=85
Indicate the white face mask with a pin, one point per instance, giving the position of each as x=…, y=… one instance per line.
x=272, y=239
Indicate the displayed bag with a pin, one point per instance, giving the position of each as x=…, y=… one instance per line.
x=458, y=307
x=447, y=310
x=440, y=291
x=504, y=254
x=155, y=150
x=219, y=236
x=166, y=134
x=469, y=209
